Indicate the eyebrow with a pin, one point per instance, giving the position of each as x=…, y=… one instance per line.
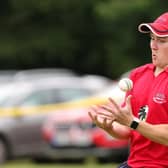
x=152, y=35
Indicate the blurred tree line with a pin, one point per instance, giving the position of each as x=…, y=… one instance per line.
x=88, y=36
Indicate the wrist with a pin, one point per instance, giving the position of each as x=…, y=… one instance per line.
x=135, y=123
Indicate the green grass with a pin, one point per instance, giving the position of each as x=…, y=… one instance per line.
x=29, y=164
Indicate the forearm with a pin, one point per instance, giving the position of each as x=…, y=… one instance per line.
x=119, y=131
x=156, y=133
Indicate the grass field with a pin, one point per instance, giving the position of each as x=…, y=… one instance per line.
x=29, y=164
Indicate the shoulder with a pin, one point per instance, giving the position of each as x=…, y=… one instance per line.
x=138, y=71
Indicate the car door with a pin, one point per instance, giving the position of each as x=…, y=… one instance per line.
x=26, y=127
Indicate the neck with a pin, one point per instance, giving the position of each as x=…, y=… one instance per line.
x=158, y=70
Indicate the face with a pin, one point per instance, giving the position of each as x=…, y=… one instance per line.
x=159, y=48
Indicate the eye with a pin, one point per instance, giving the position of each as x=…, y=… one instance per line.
x=162, y=40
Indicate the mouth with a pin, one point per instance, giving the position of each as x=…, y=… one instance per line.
x=154, y=57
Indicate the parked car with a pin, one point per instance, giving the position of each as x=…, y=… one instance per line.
x=38, y=73
x=7, y=76
x=26, y=105
x=70, y=133
x=97, y=81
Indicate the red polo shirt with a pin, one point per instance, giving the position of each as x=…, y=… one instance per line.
x=150, y=94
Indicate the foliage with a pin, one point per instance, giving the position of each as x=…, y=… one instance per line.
x=88, y=36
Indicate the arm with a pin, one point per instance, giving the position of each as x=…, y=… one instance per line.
x=119, y=131
x=157, y=133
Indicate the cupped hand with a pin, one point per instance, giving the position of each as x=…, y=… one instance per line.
x=122, y=115
x=100, y=120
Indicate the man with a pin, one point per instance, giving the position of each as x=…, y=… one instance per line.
x=143, y=118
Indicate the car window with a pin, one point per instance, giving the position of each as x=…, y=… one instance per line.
x=52, y=96
x=10, y=97
x=49, y=96
x=73, y=94
x=36, y=98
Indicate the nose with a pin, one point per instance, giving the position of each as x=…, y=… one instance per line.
x=154, y=45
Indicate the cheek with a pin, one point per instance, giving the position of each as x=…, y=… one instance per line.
x=165, y=53
x=164, y=57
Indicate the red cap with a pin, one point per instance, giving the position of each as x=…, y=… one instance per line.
x=159, y=27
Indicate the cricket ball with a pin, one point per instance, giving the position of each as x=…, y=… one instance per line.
x=125, y=84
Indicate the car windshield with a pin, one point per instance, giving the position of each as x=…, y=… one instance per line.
x=27, y=97
x=12, y=94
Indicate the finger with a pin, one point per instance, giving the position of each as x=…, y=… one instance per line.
x=105, y=114
x=105, y=107
x=91, y=115
x=94, y=119
x=93, y=108
x=114, y=104
x=107, y=117
x=104, y=121
x=99, y=122
x=103, y=110
x=128, y=102
x=107, y=123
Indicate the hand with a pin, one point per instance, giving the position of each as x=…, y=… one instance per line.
x=106, y=120
x=122, y=115
x=99, y=120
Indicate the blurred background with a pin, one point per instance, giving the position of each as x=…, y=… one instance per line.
x=57, y=58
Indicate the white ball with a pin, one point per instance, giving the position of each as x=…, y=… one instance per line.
x=125, y=84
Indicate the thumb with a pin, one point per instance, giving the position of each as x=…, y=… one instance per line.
x=128, y=102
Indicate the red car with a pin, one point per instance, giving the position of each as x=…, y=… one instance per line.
x=70, y=134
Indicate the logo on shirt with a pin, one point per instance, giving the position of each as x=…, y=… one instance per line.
x=143, y=111
x=159, y=98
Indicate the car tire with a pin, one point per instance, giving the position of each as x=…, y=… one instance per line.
x=40, y=160
x=104, y=160
x=3, y=152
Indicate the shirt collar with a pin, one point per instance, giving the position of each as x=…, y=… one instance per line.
x=152, y=67
x=166, y=69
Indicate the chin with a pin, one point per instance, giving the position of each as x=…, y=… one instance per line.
x=154, y=63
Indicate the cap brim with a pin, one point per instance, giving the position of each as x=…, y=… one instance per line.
x=151, y=27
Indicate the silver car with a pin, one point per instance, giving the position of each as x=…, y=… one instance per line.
x=25, y=106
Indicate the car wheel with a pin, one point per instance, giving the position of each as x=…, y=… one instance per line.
x=104, y=160
x=41, y=160
x=3, y=152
